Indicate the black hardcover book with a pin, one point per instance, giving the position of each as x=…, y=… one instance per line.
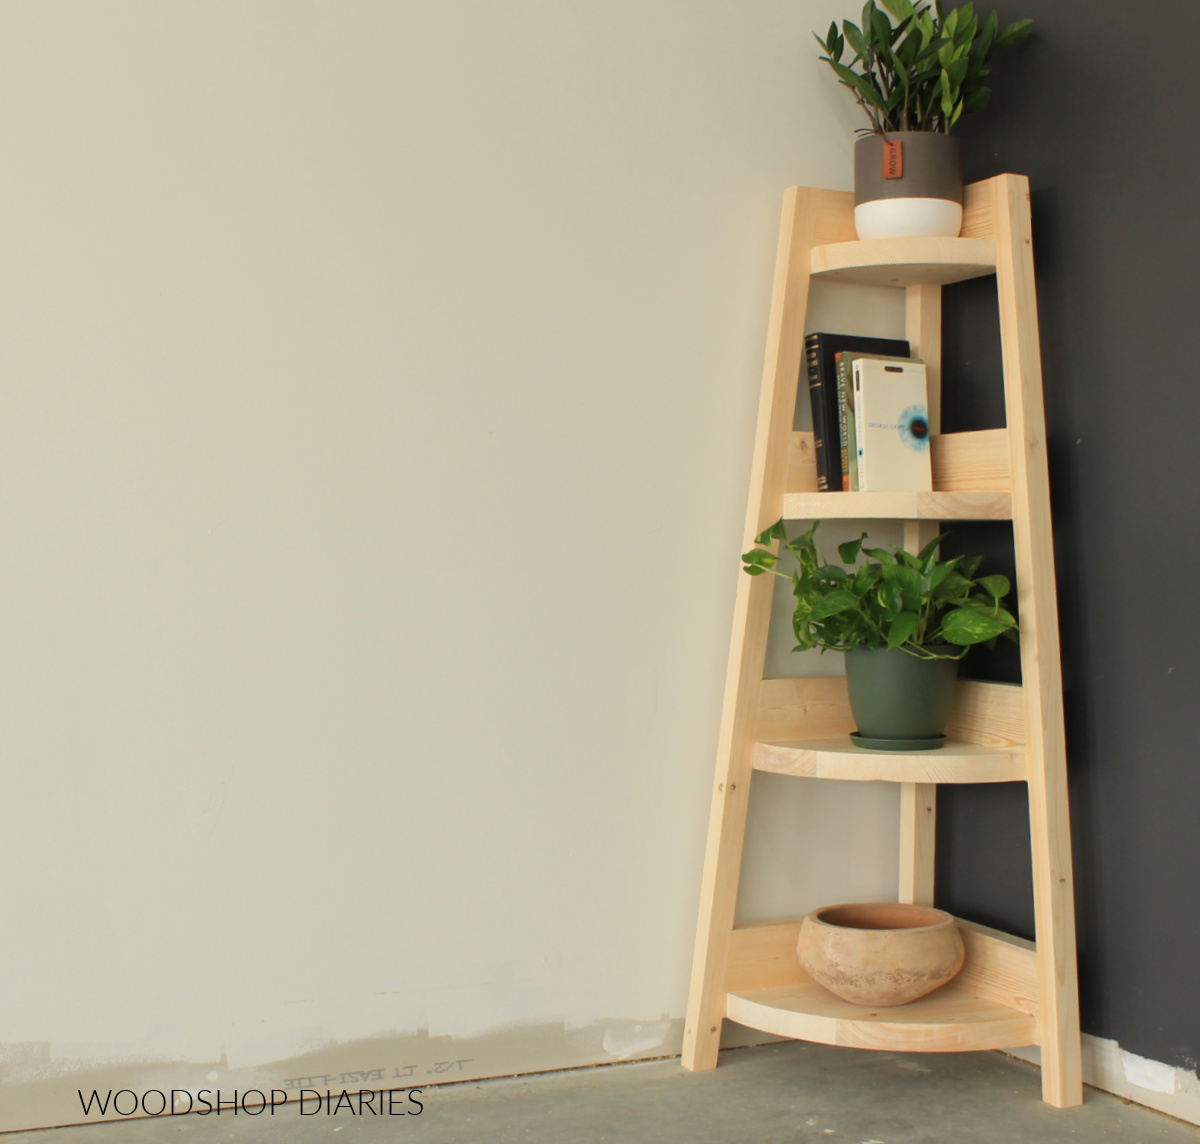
x=819, y=353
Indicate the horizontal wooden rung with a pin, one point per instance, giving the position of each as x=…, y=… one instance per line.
x=965, y=505
x=801, y=474
x=961, y=462
x=979, y=210
x=1000, y=967
x=790, y=710
x=990, y=714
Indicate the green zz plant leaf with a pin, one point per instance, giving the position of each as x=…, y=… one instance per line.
x=916, y=67
x=876, y=598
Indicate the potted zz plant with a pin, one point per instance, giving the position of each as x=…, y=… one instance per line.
x=914, y=78
x=903, y=620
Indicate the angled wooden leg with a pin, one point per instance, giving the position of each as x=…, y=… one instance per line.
x=805, y=213
x=726, y=830
x=1053, y=890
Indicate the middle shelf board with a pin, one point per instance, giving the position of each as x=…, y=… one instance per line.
x=839, y=758
x=974, y=504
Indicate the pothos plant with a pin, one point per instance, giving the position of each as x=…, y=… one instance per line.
x=922, y=72
x=930, y=608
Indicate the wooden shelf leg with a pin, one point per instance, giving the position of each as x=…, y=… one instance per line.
x=1041, y=677
x=752, y=615
x=726, y=831
x=923, y=329
x=918, y=801
x=918, y=829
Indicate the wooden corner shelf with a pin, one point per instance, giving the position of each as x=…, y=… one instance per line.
x=1010, y=992
x=954, y=762
x=991, y=1004
x=949, y=1020
x=906, y=261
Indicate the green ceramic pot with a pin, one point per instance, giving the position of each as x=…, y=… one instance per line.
x=895, y=696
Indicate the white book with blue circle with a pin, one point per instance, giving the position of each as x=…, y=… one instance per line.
x=891, y=423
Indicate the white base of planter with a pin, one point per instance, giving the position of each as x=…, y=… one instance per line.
x=907, y=218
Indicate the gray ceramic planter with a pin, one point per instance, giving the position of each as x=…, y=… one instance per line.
x=920, y=195
x=900, y=702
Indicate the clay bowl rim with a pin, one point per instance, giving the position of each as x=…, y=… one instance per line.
x=944, y=919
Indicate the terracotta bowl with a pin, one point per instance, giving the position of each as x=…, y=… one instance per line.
x=880, y=953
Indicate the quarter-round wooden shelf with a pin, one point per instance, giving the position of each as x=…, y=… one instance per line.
x=949, y=1020
x=906, y=261
x=971, y=504
x=842, y=759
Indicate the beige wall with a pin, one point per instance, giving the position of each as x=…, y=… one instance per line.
x=377, y=387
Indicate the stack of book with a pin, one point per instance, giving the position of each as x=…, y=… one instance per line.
x=870, y=413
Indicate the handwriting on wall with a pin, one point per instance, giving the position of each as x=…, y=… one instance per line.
x=380, y=1076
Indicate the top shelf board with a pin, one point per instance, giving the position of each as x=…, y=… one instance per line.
x=906, y=261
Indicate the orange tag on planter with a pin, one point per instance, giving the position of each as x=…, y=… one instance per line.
x=893, y=159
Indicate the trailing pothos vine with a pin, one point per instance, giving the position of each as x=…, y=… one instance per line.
x=930, y=608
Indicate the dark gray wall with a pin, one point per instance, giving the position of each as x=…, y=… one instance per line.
x=1101, y=110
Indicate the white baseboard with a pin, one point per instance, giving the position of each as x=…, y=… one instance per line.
x=1107, y=1066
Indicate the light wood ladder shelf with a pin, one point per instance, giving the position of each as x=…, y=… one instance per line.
x=1011, y=992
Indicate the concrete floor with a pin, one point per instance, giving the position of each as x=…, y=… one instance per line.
x=790, y=1092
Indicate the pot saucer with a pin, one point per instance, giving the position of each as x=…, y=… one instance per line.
x=931, y=744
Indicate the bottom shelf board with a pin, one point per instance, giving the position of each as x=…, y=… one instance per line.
x=948, y=1020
